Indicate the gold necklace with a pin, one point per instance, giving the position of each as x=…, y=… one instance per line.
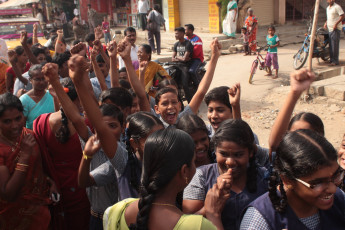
x=160, y=204
x=14, y=146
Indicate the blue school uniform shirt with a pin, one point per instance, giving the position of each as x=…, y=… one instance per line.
x=97, y=87
x=105, y=192
x=261, y=214
x=204, y=179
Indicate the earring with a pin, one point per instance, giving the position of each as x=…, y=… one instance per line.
x=186, y=180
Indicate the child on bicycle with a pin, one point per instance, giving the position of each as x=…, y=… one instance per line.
x=245, y=37
x=272, y=56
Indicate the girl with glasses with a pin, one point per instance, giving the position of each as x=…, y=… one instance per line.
x=303, y=189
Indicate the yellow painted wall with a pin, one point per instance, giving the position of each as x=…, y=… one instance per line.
x=214, y=16
x=174, y=14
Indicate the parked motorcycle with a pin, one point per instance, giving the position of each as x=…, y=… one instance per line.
x=175, y=72
x=321, y=48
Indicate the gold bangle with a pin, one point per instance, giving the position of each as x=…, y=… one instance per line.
x=23, y=164
x=18, y=169
x=86, y=157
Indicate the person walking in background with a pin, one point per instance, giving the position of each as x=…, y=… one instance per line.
x=155, y=20
x=106, y=30
x=143, y=8
x=230, y=21
x=251, y=23
x=91, y=15
x=335, y=16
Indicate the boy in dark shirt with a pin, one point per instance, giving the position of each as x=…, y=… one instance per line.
x=183, y=52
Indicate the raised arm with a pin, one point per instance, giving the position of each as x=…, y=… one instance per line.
x=235, y=98
x=114, y=72
x=78, y=72
x=84, y=177
x=34, y=34
x=23, y=41
x=124, y=49
x=98, y=45
x=207, y=79
x=59, y=46
x=98, y=71
x=50, y=71
x=12, y=55
x=299, y=81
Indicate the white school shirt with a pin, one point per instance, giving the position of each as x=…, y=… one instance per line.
x=134, y=57
x=333, y=15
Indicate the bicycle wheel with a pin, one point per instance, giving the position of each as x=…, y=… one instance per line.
x=299, y=59
x=253, y=70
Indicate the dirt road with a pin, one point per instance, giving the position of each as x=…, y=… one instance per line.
x=261, y=101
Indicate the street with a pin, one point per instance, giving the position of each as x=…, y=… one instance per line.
x=261, y=100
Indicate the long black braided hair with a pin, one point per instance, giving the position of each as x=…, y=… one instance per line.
x=140, y=125
x=166, y=151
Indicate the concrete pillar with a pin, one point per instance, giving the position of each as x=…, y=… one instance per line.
x=174, y=14
x=279, y=11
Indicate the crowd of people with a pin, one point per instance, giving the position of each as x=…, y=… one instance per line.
x=103, y=140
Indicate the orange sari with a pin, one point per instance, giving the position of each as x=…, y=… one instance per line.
x=30, y=210
x=250, y=20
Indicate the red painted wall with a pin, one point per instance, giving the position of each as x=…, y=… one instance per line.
x=101, y=6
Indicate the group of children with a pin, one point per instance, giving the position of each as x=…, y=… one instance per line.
x=272, y=44
x=120, y=161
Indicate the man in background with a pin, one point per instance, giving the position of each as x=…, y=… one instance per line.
x=143, y=8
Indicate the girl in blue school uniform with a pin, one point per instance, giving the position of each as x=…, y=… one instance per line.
x=235, y=176
x=303, y=192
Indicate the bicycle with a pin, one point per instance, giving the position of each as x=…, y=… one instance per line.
x=259, y=60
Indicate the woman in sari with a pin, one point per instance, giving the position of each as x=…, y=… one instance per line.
x=230, y=21
x=38, y=100
x=153, y=74
x=251, y=23
x=24, y=188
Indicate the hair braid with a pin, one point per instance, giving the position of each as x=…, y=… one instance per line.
x=279, y=202
x=148, y=194
x=63, y=133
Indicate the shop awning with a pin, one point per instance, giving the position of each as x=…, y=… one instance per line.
x=16, y=3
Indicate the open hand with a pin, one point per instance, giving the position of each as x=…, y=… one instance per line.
x=50, y=72
x=235, y=94
x=301, y=80
x=112, y=49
